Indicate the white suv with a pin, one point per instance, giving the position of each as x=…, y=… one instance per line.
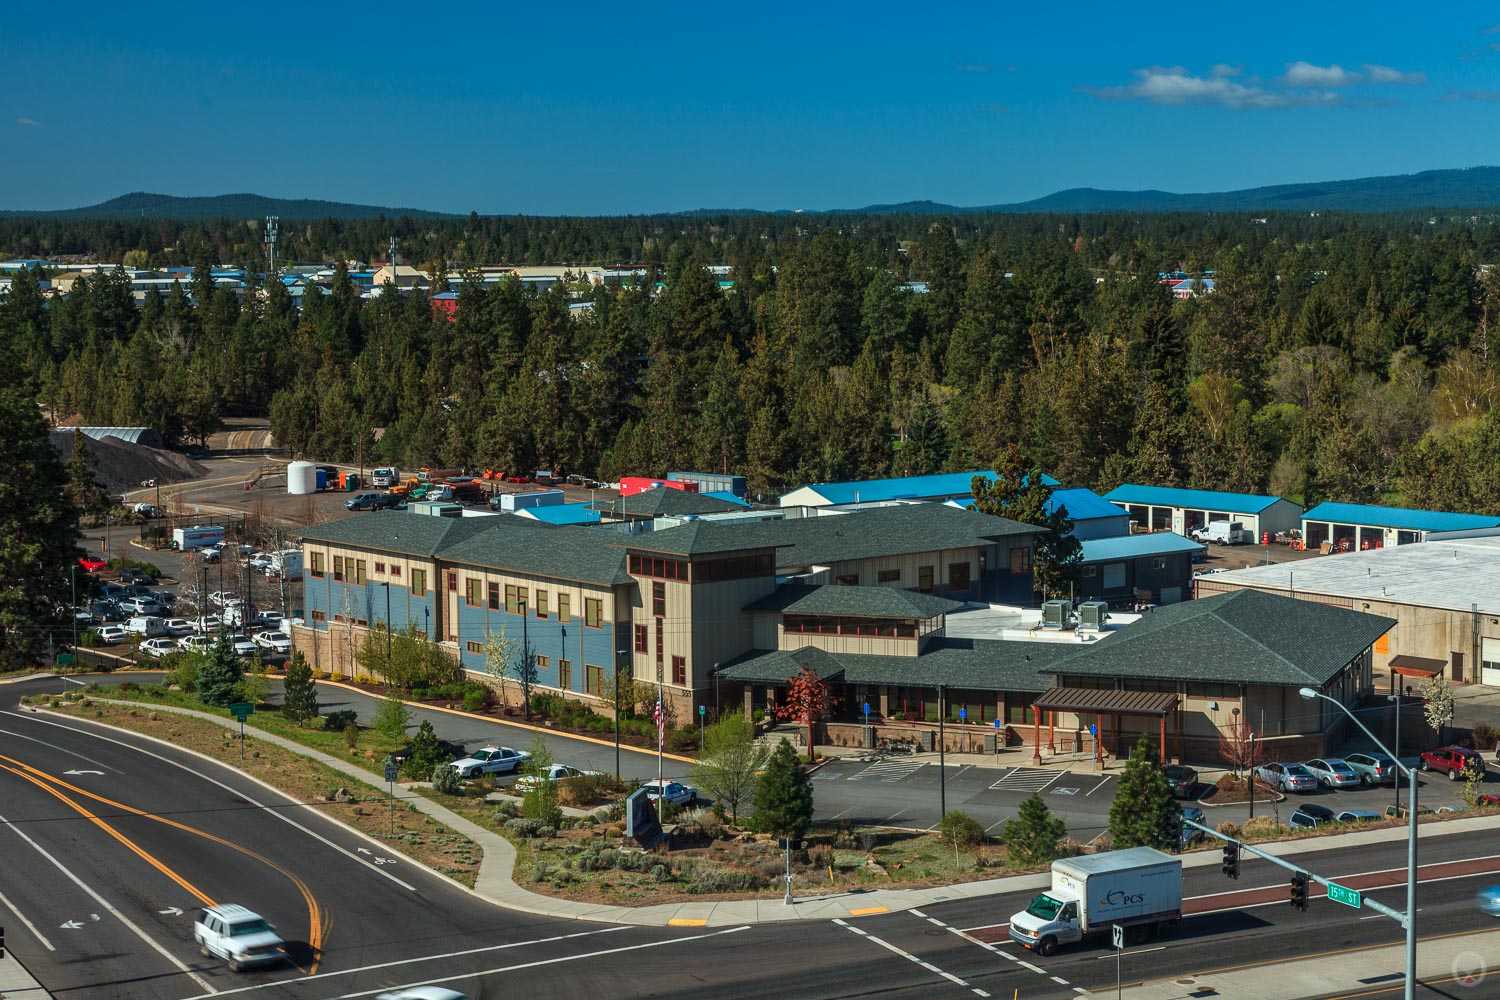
x=237, y=935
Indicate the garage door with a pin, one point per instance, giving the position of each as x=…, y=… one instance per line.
x=1489, y=662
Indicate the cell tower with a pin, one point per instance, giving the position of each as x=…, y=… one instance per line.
x=393, y=258
x=272, y=231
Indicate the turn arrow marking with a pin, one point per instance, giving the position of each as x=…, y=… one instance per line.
x=363, y=850
x=71, y=925
x=100, y=773
x=175, y=911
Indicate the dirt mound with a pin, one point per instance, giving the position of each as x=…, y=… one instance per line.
x=123, y=466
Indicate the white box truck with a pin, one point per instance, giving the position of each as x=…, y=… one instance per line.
x=184, y=539
x=285, y=565
x=1139, y=888
x=1223, y=532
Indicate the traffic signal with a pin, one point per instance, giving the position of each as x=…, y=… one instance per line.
x=1299, y=891
x=1231, y=866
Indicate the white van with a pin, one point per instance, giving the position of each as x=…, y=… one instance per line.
x=147, y=625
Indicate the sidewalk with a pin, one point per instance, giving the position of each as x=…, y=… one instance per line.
x=496, y=883
x=16, y=983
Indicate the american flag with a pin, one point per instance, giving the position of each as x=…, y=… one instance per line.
x=661, y=732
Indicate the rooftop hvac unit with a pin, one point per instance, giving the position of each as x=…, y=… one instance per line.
x=1092, y=615
x=1055, y=614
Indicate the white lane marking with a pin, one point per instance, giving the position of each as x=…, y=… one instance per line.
x=1101, y=784
x=545, y=961
x=29, y=925
x=1060, y=980
x=110, y=908
x=235, y=791
x=917, y=913
x=425, y=958
x=908, y=956
x=1131, y=951
x=62, y=750
x=1028, y=965
x=984, y=927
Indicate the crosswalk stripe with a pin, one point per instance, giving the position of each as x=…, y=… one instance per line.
x=1026, y=779
x=887, y=770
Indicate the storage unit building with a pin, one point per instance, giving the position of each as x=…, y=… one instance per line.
x=1351, y=526
x=1167, y=508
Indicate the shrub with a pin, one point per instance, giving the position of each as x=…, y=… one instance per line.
x=446, y=781
x=582, y=792
x=523, y=827
x=474, y=701
x=724, y=880
x=821, y=856
x=503, y=811
x=546, y=831
x=1229, y=829
x=962, y=828
x=1259, y=826
x=340, y=720
x=1484, y=736
x=351, y=734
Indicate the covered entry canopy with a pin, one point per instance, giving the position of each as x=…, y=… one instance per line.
x=1102, y=703
x=1424, y=667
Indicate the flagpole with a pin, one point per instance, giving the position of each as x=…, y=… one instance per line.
x=661, y=735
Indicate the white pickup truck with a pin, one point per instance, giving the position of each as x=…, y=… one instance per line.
x=239, y=936
x=1223, y=532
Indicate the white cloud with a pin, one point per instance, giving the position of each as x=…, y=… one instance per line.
x=1489, y=96
x=1305, y=74
x=1493, y=29
x=1173, y=85
x=1385, y=74
x=1224, y=69
x=29, y=122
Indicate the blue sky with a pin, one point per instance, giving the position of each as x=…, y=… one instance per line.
x=578, y=109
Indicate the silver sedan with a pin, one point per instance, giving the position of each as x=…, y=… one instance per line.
x=1333, y=772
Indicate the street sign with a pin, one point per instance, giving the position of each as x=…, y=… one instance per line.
x=64, y=659
x=702, y=709
x=1093, y=730
x=1348, y=897
x=391, y=770
x=242, y=710
x=997, y=723
x=1117, y=935
x=867, y=708
x=963, y=715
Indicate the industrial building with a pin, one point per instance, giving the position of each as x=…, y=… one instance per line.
x=1168, y=508
x=1346, y=527
x=939, y=487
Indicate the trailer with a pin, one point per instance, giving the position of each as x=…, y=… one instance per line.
x=203, y=537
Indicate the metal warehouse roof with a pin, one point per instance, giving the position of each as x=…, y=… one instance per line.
x=566, y=513
x=946, y=484
x=1171, y=496
x=1083, y=504
x=1399, y=517
x=726, y=496
x=1157, y=543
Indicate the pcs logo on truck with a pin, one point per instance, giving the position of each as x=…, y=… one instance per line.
x=1122, y=898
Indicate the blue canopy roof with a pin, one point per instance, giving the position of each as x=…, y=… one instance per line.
x=1399, y=517
x=944, y=484
x=1171, y=496
x=567, y=513
x=1157, y=543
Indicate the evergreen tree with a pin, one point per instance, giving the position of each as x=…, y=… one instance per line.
x=299, y=700
x=84, y=488
x=392, y=717
x=426, y=754
x=1019, y=492
x=783, y=797
x=1033, y=836
x=219, y=678
x=1143, y=802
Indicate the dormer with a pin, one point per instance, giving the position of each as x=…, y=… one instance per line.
x=881, y=621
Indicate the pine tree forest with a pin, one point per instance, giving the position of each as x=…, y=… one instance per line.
x=1339, y=357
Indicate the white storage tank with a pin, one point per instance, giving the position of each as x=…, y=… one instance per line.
x=301, y=477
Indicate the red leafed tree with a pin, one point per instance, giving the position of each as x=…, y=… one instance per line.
x=807, y=701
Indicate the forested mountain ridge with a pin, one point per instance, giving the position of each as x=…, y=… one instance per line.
x=1339, y=357
x=142, y=205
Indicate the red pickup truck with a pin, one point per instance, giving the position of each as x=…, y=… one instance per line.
x=1453, y=761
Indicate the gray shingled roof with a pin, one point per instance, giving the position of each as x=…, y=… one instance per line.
x=664, y=502
x=975, y=664
x=864, y=534
x=399, y=531
x=1242, y=637
x=559, y=552
x=864, y=602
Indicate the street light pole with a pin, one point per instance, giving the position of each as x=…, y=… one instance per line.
x=1410, y=919
x=620, y=654
x=74, y=576
x=942, y=756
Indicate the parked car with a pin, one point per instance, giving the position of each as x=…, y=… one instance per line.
x=1191, y=835
x=148, y=626
x=518, y=479
x=165, y=598
x=1402, y=812
x=272, y=619
x=1287, y=777
x=451, y=751
x=260, y=560
x=1321, y=813
x=275, y=642
x=1306, y=821
x=242, y=645
x=1374, y=768
x=557, y=772
x=1333, y=772
x=1182, y=780
x=491, y=760
x=195, y=643
x=92, y=563
x=207, y=624
x=1453, y=761
x=141, y=605
x=1356, y=816
x=133, y=575
x=364, y=501
x=239, y=936
x=158, y=647
x=105, y=611
x=146, y=510
x=218, y=597
x=673, y=791
x=111, y=635
x=177, y=627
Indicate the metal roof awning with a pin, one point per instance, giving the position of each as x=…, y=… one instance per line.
x=1417, y=666
x=1090, y=701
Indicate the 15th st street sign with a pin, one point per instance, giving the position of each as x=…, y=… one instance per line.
x=1348, y=897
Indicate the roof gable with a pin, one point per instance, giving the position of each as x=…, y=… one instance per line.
x=1171, y=496
x=862, y=602
x=1400, y=517
x=399, y=531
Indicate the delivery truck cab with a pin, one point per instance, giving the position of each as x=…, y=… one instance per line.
x=1139, y=889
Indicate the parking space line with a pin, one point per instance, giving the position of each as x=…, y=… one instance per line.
x=1102, y=782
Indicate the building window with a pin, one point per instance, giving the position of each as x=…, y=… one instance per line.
x=924, y=579
x=848, y=580
x=642, y=639
x=317, y=564
x=474, y=647
x=659, y=599
x=517, y=599
x=359, y=572
x=319, y=616
x=494, y=597
x=543, y=663
x=733, y=568
x=958, y=577
x=395, y=570
x=452, y=582
x=380, y=567
x=1020, y=560
x=473, y=591
x=1089, y=571
x=679, y=671
x=1159, y=562
x=338, y=569
x=593, y=679
x=362, y=623
x=661, y=643
x=419, y=582
x=662, y=569
x=888, y=576
x=593, y=612
x=541, y=604
x=565, y=674
x=564, y=607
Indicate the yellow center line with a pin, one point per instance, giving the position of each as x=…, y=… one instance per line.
x=319, y=923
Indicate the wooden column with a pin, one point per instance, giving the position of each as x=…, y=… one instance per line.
x=1036, y=735
x=1162, y=727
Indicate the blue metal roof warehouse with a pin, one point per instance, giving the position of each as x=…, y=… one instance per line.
x=1363, y=526
x=1169, y=508
x=1092, y=515
x=942, y=486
